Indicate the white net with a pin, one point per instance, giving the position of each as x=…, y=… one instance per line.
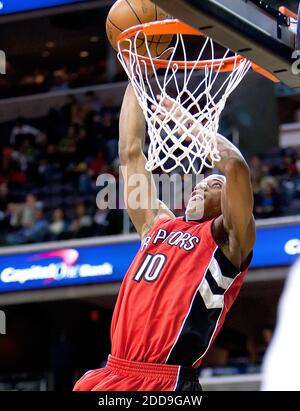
x=182, y=133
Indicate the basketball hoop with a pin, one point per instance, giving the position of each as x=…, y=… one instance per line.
x=185, y=135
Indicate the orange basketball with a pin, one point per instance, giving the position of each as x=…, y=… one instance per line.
x=127, y=13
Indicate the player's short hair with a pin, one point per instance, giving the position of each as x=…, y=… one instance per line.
x=218, y=177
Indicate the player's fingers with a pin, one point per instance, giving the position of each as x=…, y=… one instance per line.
x=158, y=113
x=164, y=101
x=166, y=54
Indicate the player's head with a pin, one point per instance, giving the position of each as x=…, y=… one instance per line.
x=205, y=200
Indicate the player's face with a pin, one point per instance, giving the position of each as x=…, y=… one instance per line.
x=205, y=201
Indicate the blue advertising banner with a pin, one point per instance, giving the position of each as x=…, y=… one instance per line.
x=275, y=246
x=15, y=6
x=68, y=266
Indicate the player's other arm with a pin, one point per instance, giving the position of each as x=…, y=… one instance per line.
x=237, y=197
x=131, y=143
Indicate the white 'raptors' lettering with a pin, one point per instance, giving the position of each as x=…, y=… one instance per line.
x=191, y=242
x=186, y=241
x=161, y=235
x=146, y=242
x=182, y=241
x=174, y=237
x=179, y=239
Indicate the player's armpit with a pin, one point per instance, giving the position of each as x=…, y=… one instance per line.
x=140, y=196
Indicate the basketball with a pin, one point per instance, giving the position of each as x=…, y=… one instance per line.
x=127, y=13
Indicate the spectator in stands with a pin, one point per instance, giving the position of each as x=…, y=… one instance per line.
x=16, y=177
x=33, y=233
x=85, y=182
x=109, y=133
x=38, y=230
x=22, y=129
x=24, y=155
x=24, y=215
x=12, y=216
x=257, y=170
x=44, y=169
x=60, y=79
x=81, y=226
x=291, y=166
x=58, y=227
x=268, y=202
x=7, y=152
x=258, y=344
x=265, y=340
x=67, y=146
x=97, y=165
x=28, y=211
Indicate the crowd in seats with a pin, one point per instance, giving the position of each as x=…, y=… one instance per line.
x=234, y=352
x=48, y=173
x=49, y=167
x=276, y=182
x=42, y=80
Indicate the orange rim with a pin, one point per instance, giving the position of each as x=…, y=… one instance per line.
x=224, y=65
x=174, y=26
x=287, y=12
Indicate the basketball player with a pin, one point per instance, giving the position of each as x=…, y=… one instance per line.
x=186, y=275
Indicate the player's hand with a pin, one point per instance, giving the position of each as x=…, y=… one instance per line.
x=165, y=106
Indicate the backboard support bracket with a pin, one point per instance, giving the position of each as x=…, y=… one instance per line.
x=251, y=28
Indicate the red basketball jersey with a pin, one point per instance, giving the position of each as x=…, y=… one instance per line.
x=175, y=295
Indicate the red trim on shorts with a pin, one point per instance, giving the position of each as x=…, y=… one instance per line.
x=135, y=368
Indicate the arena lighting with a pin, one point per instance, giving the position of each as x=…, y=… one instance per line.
x=84, y=54
x=94, y=39
x=94, y=315
x=50, y=44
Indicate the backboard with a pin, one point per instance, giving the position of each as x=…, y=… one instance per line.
x=251, y=28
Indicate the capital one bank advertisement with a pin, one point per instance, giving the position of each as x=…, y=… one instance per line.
x=65, y=267
x=104, y=263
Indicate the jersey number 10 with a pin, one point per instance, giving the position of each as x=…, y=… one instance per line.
x=151, y=267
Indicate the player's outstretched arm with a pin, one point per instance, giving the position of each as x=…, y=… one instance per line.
x=237, y=196
x=144, y=208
